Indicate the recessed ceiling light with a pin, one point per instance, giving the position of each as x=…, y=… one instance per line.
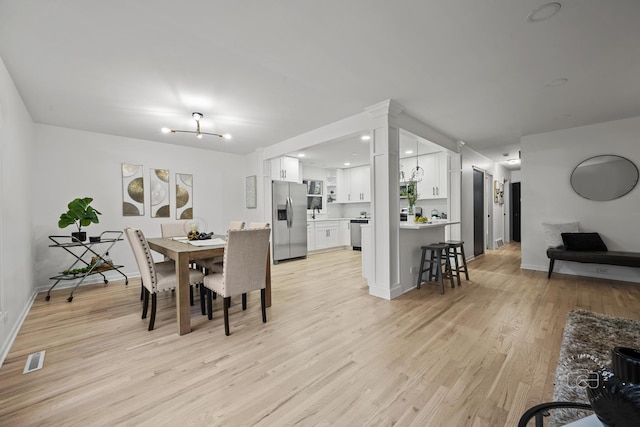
x=562, y=116
x=408, y=152
x=301, y=155
x=347, y=164
x=544, y=12
x=365, y=137
x=557, y=82
x=505, y=154
x=354, y=154
x=513, y=161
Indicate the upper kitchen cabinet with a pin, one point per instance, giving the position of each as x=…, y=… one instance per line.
x=285, y=168
x=354, y=185
x=434, y=184
x=433, y=162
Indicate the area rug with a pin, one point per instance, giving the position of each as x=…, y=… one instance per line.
x=586, y=346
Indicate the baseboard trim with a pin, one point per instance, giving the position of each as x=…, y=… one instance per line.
x=6, y=346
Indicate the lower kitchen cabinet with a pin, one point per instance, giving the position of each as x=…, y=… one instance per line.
x=327, y=234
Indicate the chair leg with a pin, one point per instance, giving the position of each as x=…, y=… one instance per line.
x=263, y=303
x=154, y=303
x=464, y=262
x=457, y=264
x=142, y=288
x=447, y=266
x=439, y=270
x=551, y=262
x=209, y=304
x=244, y=301
x=202, y=299
x=227, y=303
x=145, y=302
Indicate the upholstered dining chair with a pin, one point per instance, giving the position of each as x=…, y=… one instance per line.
x=215, y=264
x=258, y=225
x=156, y=276
x=174, y=229
x=244, y=270
x=180, y=229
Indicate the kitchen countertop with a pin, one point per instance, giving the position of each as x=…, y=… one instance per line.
x=419, y=226
x=334, y=219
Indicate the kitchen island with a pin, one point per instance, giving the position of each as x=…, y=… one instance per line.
x=412, y=237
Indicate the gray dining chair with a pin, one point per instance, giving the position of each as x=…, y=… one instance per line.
x=244, y=269
x=156, y=276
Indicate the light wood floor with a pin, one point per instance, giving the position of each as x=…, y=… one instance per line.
x=329, y=355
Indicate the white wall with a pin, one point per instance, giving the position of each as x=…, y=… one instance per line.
x=72, y=163
x=547, y=162
x=471, y=159
x=17, y=173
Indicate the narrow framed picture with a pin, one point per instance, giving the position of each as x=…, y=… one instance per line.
x=250, y=192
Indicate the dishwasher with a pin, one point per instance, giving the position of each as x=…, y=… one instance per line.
x=356, y=233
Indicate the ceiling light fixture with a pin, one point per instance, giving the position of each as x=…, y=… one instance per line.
x=197, y=117
x=365, y=137
x=301, y=155
x=543, y=12
x=557, y=82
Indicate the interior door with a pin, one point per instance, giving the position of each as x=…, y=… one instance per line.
x=515, y=211
x=488, y=214
x=478, y=212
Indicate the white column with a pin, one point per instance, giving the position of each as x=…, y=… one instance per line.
x=384, y=280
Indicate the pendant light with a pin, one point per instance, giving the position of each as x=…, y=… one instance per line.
x=197, y=117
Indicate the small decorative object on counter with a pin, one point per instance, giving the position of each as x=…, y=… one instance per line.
x=363, y=214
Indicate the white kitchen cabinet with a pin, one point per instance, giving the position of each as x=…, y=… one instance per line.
x=285, y=168
x=327, y=234
x=434, y=183
x=311, y=245
x=345, y=232
x=354, y=185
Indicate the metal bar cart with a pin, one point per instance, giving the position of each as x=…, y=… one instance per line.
x=79, y=250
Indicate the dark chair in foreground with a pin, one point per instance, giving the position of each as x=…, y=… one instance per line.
x=156, y=276
x=539, y=412
x=244, y=270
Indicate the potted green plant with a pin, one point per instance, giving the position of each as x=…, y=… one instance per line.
x=80, y=214
x=411, y=192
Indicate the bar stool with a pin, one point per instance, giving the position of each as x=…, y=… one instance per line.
x=438, y=256
x=455, y=248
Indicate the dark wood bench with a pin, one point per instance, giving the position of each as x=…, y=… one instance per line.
x=625, y=259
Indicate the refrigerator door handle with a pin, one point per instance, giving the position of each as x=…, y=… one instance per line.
x=289, y=212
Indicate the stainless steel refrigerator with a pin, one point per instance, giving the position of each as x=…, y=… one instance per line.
x=289, y=220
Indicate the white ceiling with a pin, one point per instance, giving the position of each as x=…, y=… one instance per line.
x=475, y=70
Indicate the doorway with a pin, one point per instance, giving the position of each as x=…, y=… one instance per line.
x=515, y=211
x=478, y=212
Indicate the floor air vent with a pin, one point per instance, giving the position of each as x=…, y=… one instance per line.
x=34, y=362
x=499, y=243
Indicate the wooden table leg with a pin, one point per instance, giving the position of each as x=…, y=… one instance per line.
x=183, y=310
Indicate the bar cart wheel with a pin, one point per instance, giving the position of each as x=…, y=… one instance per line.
x=70, y=299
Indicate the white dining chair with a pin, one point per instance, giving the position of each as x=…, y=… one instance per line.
x=156, y=276
x=244, y=270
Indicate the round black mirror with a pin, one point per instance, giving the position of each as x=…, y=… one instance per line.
x=604, y=178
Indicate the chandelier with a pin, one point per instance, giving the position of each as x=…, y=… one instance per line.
x=197, y=117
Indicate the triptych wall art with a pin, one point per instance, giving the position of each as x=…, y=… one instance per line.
x=160, y=197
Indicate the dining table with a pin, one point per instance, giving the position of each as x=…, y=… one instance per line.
x=184, y=253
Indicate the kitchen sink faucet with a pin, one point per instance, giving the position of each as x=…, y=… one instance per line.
x=313, y=213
